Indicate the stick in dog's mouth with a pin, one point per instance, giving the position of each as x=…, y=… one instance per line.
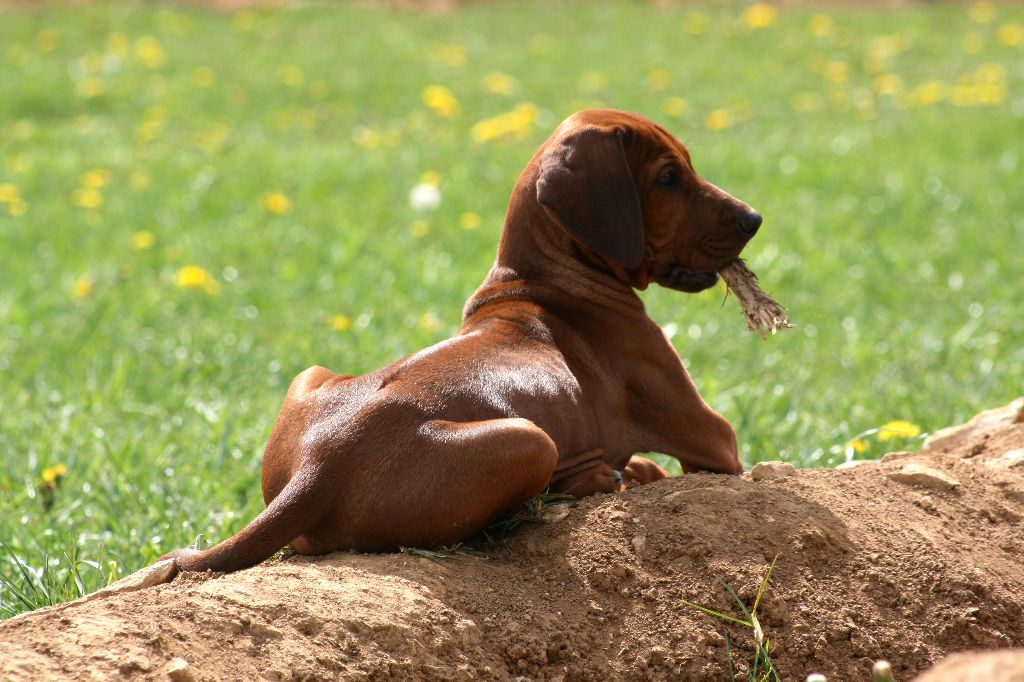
x=763, y=313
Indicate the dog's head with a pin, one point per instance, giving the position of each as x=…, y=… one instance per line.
x=626, y=191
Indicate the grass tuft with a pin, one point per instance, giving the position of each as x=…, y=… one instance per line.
x=55, y=580
x=761, y=668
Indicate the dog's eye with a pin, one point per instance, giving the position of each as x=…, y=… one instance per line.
x=668, y=178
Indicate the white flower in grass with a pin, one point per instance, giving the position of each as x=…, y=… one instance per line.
x=425, y=197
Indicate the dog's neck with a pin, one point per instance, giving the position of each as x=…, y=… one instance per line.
x=536, y=257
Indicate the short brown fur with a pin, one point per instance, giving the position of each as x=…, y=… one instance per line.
x=556, y=377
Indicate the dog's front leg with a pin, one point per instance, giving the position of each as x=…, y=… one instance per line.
x=679, y=423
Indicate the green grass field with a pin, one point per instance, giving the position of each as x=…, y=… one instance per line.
x=195, y=206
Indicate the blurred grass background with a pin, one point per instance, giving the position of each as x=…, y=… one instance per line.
x=195, y=206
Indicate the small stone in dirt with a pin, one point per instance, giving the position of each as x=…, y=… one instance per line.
x=897, y=456
x=264, y=630
x=555, y=513
x=639, y=542
x=926, y=477
x=854, y=463
x=925, y=502
x=179, y=670
x=766, y=471
x=155, y=574
x=1011, y=459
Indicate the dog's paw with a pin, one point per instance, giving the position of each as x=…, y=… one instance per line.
x=642, y=471
x=184, y=558
x=601, y=478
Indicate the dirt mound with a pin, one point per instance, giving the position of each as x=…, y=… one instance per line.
x=908, y=559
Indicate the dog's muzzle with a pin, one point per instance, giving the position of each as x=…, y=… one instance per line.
x=676, y=276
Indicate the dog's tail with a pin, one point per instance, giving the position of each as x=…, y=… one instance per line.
x=285, y=518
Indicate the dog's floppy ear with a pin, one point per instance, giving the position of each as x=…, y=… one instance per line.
x=586, y=183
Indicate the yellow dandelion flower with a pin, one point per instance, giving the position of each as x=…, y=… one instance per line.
x=118, y=45
x=20, y=163
x=887, y=84
x=440, y=100
x=89, y=87
x=837, y=72
x=759, y=15
x=696, y=23
x=150, y=130
x=51, y=474
x=91, y=62
x=139, y=180
x=340, y=323
x=195, y=277
x=857, y=445
x=928, y=93
x=290, y=76
x=718, y=119
x=243, y=21
x=212, y=137
x=95, y=179
x=658, y=79
x=420, y=228
x=990, y=72
x=149, y=52
x=515, y=124
x=46, y=40
x=991, y=94
x=9, y=193
x=143, y=240
x=82, y=287
x=964, y=95
x=17, y=208
x=1010, y=35
x=10, y=198
x=431, y=178
x=367, y=138
x=898, y=429
x=204, y=77
x=982, y=12
x=276, y=203
x=306, y=118
x=451, y=54
x=88, y=198
x=676, y=106
x=470, y=220
x=498, y=83
x=820, y=25
x=156, y=113
x=429, y=321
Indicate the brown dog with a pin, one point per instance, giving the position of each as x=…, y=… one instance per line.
x=556, y=377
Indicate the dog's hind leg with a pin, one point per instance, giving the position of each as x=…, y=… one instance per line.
x=285, y=518
x=437, y=487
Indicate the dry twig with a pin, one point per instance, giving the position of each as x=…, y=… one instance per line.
x=763, y=313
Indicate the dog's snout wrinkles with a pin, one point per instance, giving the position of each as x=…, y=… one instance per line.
x=749, y=222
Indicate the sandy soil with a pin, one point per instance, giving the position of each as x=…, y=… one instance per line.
x=882, y=560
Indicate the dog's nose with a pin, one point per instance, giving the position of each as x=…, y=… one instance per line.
x=749, y=222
